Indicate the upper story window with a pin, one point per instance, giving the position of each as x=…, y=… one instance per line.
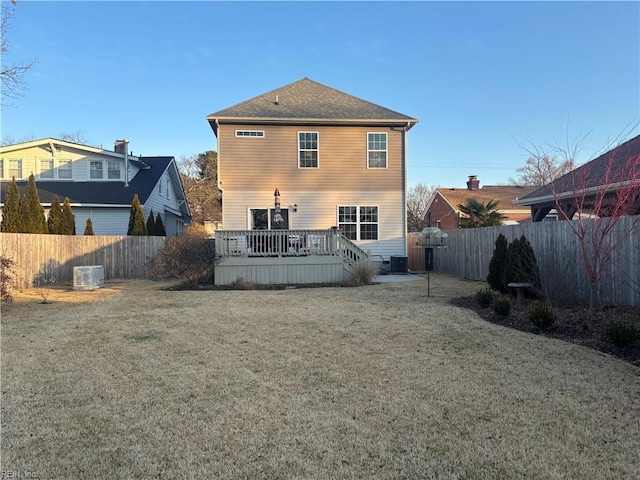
x=46, y=168
x=113, y=170
x=250, y=133
x=1, y=167
x=308, y=149
x=95, y=170
x=15, y=168
x=64, y=168
x=376, y=150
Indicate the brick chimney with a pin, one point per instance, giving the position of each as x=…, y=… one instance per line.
x=473, y=183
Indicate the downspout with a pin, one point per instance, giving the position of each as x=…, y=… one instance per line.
x=404, y=189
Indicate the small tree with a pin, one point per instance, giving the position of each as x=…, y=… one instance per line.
x=11, y=211
x=476, y=214
x=136, y=218
x=497, y=264
x=88, y=228
x=417, y=200
x=598, y=194
x=68, y=218
x=31, y=212
x=160, y=230
x=54, y=221
x=151, y=224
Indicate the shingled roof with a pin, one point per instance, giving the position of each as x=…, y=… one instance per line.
x=100, y=193
x=307, y=101
x=609, y=169
x=504, y=195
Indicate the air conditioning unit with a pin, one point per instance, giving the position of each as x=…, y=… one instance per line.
x=88, y=278
x=399, y=265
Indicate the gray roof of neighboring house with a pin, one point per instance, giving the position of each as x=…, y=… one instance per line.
x=309, y=100
x=608, y=169
x=96, y=193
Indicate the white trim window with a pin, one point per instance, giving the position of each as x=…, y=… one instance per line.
x=358, y=222
x=46, y=168
x=376, y=150
x=250, y=133
x=95, y=170
x=113, y=169
x=15, y=168
x=1, y=167
x=307, y=149
x=64, y=169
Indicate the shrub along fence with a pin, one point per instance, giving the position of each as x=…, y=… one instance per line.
x=558, y=254
x=123, y=258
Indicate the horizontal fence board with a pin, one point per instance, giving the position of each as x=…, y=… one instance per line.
x=557, y=252
x=123, y=257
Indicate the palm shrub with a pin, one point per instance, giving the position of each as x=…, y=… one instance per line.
x=497, y=265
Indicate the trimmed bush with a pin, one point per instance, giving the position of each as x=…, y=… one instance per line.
x=88, y=228
x=151, y=224
x=501, y=305
x=497, y=265
x=160, y=230
x=484, y=297
x=189, y=257
x=137, y=225
x=11, y=222
x=54, y=220
x=622, y=333
x=541, y=315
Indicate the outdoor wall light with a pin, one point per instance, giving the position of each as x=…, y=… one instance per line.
x=294, y=207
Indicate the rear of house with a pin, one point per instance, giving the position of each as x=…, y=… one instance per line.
x=336, y=160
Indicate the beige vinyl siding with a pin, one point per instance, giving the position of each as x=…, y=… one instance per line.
x=318, y=210
x=255, y=163
x=80, y=163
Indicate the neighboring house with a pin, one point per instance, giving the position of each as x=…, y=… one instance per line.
x=99, y=183
x=443, y=212
x=337, y=161
x=614, y=170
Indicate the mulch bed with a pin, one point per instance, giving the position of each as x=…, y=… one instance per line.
x=571, y=325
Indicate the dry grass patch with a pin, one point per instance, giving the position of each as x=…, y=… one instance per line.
x=371, y=382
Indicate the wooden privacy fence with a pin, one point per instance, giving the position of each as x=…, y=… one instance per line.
x=557, y=252
x=123, y=258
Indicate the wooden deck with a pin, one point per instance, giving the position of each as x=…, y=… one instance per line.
x=285, y=257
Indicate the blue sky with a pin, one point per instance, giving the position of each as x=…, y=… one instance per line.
x=481, y=77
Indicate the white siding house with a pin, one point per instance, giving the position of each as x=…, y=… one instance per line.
x=100, y=184
x=336, y=160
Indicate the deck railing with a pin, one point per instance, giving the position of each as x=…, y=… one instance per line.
x=269, y=243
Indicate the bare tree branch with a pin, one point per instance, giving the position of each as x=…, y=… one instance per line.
x=13, y=83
